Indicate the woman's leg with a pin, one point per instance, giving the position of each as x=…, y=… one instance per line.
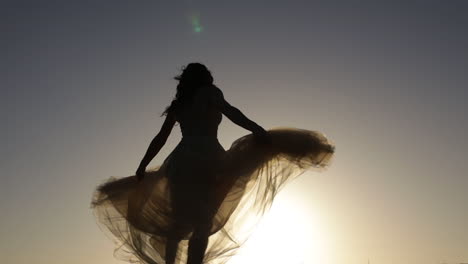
x=198, y=244
x=172, y=244
x=203, y=222
x=175, y=234
x=202, y=217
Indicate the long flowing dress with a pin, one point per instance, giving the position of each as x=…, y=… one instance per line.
x=201, y=182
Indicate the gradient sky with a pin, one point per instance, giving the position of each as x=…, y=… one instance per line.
x=83, y=85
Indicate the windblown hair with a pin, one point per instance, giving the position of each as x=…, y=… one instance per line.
x=193, y=76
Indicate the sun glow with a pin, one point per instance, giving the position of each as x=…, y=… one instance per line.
x=286, y=234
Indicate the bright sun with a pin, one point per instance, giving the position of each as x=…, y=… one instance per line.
x=286, y=234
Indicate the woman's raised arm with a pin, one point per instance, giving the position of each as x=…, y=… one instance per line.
x=234, y=114
x=156, y=144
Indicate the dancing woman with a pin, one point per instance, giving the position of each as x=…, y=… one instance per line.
x=201, y=192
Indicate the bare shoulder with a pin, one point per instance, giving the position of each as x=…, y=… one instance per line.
x=216, y=97
x=215, y=93
x=211, y=92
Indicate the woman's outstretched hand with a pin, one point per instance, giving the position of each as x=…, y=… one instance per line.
x=140, y=173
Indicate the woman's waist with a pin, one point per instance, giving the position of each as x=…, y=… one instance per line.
x=200, y=137
x=196, y=152
x=200, y=143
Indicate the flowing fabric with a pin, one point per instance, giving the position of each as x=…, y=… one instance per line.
x=200, y=181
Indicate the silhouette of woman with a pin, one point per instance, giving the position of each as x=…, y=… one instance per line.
x=202, y=193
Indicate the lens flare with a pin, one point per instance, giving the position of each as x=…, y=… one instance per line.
x=195, y=22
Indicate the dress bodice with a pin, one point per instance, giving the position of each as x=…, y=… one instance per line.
x=199, y=118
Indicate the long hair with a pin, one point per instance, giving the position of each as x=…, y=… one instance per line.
x=192, y=77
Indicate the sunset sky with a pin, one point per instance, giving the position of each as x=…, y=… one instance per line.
x=83, y=85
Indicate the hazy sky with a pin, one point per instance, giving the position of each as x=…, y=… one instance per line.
x=83, y=85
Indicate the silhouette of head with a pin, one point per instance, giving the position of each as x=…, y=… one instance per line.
x=195, y=74
x=192, y=77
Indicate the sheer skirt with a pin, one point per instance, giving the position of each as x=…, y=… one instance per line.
x=200, y=183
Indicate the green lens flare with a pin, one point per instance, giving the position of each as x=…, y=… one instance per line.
x=198, y=29
x=195, y=21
